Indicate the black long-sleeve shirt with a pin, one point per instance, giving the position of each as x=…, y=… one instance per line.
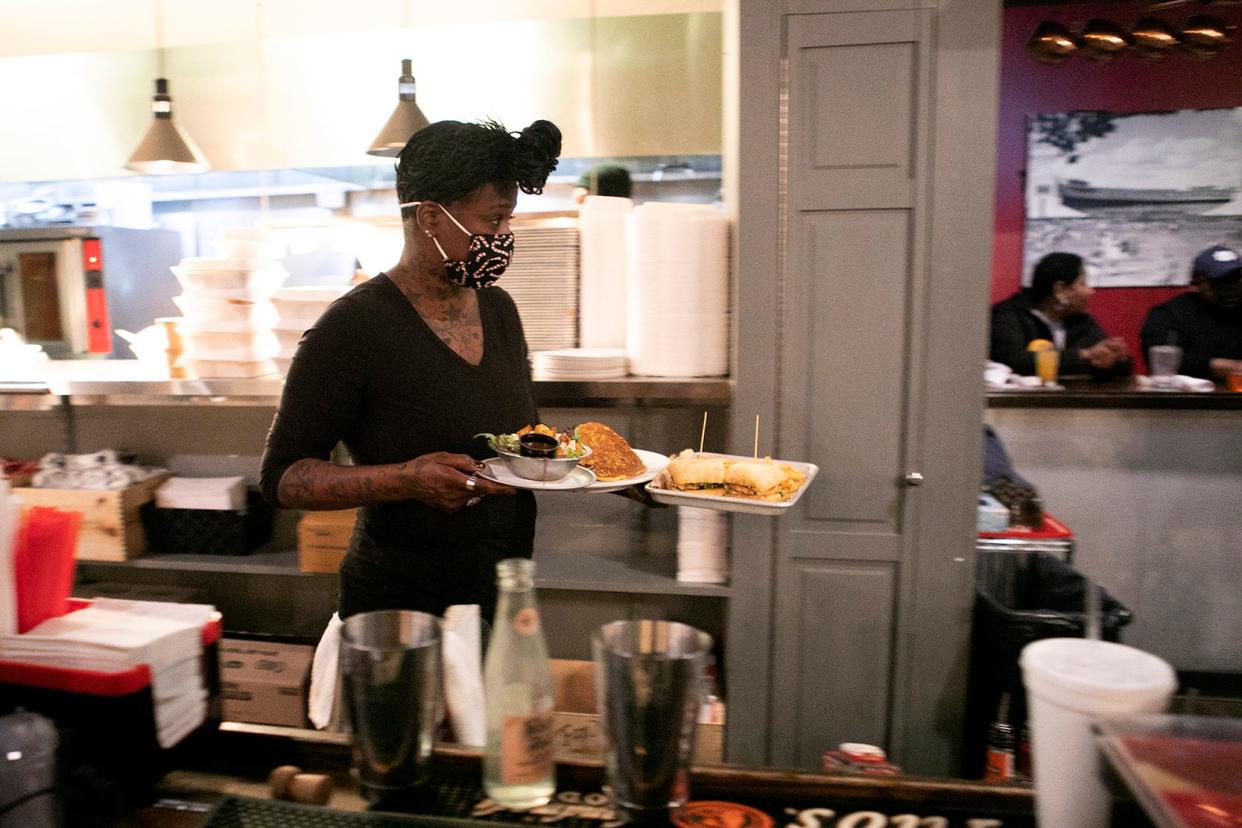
x=1014, y=325
x=372, y=375
x=1202, y=330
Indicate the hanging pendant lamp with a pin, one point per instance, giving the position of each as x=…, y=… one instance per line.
x=165, y=148
x=405, y=120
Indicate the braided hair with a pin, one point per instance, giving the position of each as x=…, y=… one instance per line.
x=448, y=161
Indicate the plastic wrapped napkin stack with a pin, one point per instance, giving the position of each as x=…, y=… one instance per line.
x=114, y=635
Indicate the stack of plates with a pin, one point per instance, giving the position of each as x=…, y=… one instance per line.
x=543, y=281
x=580, y=364
x=603, y=223
x=702, y=546
x=678, y=283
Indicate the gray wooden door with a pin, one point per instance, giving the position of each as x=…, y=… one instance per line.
x=856, y=122
x=859, y=166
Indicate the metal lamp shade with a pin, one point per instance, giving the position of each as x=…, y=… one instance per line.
x=165, y=148
x=1153, y=38
x=1103, y=41
x=405, y=120
x=1051, y=44
x=1204, y=37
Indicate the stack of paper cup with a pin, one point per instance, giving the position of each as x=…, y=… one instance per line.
x=603, y=224
x=702, y=546
x=1069, y=682
x=678, y=290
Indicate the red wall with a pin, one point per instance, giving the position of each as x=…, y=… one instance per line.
x=1127, y=85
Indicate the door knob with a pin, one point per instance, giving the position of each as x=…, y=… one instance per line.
x=912, y=479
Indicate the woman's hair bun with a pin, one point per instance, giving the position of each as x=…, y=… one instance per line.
x=538, y=147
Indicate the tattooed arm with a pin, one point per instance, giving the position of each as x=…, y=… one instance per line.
x=437, y=479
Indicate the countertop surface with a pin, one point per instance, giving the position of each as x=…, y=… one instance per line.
x=1122, y=394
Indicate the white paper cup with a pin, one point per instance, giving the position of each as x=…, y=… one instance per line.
x=1069, y=682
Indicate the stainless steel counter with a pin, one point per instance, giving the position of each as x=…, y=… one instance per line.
x=128, y=383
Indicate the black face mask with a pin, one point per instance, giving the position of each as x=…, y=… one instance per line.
x=486, y=258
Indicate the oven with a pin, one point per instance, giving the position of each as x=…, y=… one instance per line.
x=68, y=288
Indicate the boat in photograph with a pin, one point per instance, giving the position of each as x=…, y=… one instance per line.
x=1084, y=197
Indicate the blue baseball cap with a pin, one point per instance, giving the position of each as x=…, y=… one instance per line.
x=1216, y=262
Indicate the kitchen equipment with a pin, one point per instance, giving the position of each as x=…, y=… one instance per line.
x=66, y=288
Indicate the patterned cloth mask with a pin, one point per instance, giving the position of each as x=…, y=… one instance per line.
x=486, y=258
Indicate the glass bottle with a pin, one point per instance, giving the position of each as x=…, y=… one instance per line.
x=518, y=771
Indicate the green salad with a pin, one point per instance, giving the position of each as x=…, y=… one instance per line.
x=568, y=445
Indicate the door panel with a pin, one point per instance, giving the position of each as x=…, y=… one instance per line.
x=852, y=260
x=832, y=682
x=853, y=122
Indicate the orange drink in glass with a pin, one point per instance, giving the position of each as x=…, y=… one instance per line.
x=1046, y=364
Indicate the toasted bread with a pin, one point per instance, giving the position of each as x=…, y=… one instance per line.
x=611, y=456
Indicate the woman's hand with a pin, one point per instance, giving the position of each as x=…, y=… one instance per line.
x=449, y=481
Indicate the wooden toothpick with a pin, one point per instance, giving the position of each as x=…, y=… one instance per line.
x=702, y=433
x=756, y=437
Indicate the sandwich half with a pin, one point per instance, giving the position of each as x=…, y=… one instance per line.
x=756, y=478
x=690, y=472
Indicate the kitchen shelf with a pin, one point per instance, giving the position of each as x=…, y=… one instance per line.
x=127, y=383
x=570, y=571
x=261, y=563
x=594, y=572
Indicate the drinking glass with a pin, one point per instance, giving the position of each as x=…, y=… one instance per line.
x=1164, y=361
x=1047, y=365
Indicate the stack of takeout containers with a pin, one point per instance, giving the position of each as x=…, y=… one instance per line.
x=678, y=291
x=226, y=303
x=702, y=546
x=297, y=309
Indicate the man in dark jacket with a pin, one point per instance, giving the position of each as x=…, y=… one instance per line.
x=1206, y=321
x=1054, y=308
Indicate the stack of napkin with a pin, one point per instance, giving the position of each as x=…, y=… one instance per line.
x=216, y=493
x=115, y=635
x=1180, y=382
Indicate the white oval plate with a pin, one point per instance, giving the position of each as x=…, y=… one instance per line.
x=655, y=463
x=496, y=471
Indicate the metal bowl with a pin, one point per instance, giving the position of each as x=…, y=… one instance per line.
x=543, y=469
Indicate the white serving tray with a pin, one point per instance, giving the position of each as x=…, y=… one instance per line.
x=735, y=504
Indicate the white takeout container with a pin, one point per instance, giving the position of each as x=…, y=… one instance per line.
x=233, y=368
x=301, y=307
x=288, y=339
x=210, y=314
x=209, y=282
x=246, y=346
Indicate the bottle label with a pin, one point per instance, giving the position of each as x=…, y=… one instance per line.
x=526, y=621
x=999, y=765
x=526, y=749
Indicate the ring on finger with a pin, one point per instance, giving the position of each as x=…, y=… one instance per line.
x=475, y=501
x=471, y=482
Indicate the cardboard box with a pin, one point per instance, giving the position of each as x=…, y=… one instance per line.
x=263, y=682
x=111, y=527
x=323, y=538
x=577, y=730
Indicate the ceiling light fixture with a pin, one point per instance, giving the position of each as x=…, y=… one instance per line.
x=405, y=120
x=165, y=148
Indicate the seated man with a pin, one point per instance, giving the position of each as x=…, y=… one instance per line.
x=1054, y=308
x=1205, y=321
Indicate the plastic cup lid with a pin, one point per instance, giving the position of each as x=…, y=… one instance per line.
x=1096, y=669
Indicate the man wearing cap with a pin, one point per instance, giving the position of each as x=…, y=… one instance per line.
x=1206, y=321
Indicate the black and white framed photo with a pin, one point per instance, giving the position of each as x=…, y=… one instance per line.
x=1137, y=195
